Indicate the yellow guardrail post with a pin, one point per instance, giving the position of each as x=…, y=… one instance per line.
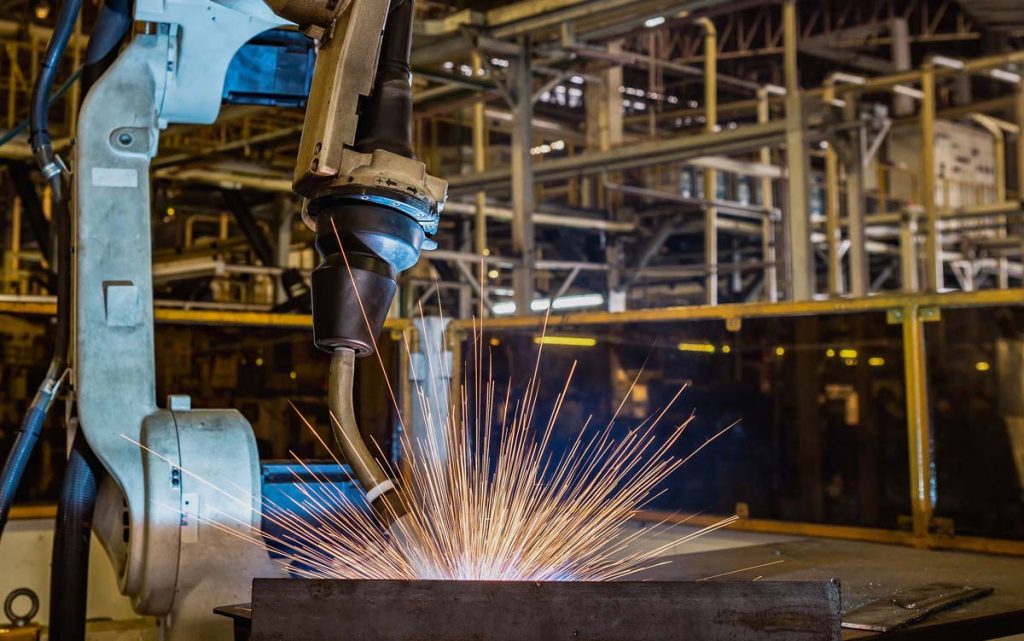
x=919, y=434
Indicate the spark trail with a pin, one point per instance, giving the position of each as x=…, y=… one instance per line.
x=485, y=497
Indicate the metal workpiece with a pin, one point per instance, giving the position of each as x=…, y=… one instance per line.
x=311, y=610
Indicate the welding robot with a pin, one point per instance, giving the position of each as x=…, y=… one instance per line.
x=373, y=207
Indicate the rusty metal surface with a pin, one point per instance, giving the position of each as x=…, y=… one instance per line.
x=312, y=610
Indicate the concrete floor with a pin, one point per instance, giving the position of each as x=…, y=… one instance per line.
x=25, y=563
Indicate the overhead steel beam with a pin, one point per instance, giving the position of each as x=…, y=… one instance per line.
x=633, y=156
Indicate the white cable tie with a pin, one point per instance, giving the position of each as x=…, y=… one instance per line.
x=376, y=492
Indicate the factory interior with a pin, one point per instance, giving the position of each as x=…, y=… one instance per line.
x=407, y=320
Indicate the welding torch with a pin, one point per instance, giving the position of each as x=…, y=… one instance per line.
x=372, y=204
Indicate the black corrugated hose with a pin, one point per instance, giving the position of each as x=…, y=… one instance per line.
x=69, y=572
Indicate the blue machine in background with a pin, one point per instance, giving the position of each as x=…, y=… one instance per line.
x=273, y=69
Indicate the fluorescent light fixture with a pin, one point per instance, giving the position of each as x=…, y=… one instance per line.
x=847, y=353
x=656, y=21
x=704, y=348
x=876, y=361
x=575, y=301
x=910, y=92
x=1005, y=76
x=982, y=366
x=946, y=61
x=566, y=341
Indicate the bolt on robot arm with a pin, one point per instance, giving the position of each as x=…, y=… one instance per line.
x=372, y=204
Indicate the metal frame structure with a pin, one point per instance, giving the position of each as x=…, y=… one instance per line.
x=602, y=43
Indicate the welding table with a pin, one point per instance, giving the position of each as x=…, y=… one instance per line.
x=865, y=571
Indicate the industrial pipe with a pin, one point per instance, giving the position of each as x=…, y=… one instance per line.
x=710, y=175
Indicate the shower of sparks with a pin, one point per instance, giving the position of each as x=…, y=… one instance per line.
x=488, y=502
x=485, y=495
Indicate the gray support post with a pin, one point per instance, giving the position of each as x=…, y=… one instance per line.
x=855, y=205
x=801, y=259
x=768, y=253
x=522, y=178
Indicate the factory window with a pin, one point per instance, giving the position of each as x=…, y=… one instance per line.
x=976, y=379
x=817, y=404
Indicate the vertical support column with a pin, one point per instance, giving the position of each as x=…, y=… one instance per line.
x=797, y=161
x=901, y=61
x=922, y=477
x=283, y=245
x=430, y=371
x=908, y=252
x=15, y=261
x=618, y=292
x=833, y=232
x=860, y=281
x=604, y=123
x=933, y=242
x=480, y=161
x=771, y=280
x=1018, y=113
x=522, y=178
x=710, y=175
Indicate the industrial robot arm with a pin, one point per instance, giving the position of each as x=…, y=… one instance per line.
x=374, y=208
